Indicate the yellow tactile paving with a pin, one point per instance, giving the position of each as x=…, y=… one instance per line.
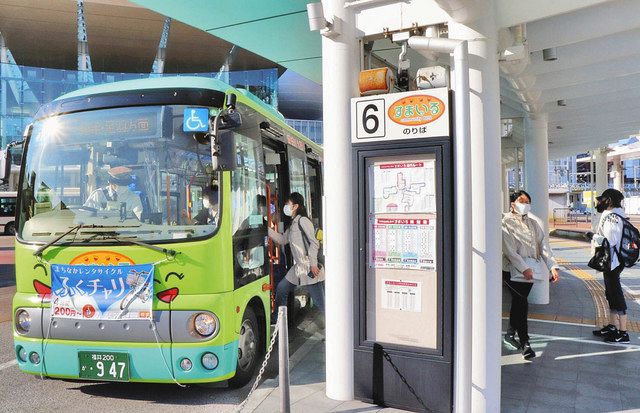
x=596, y=290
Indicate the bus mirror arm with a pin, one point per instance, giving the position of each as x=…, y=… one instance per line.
x=227, y=118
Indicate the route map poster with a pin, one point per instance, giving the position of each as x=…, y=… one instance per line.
x=403, y=243
x=102, y=292
x=404, y=187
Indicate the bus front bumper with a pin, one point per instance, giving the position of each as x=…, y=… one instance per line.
x=148, y=362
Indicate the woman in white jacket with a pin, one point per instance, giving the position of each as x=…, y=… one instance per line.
x=523, y=240
x=304, y=249
x=610, y=227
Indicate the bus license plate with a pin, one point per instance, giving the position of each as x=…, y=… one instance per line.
x=104, y=366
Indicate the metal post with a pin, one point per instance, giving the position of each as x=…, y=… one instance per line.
x=462, y=165
x=592, y=190
x=283, y=356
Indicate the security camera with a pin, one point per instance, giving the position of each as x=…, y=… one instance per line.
x=316, y=17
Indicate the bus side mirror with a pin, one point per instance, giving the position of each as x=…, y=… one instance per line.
x=222, y=147
x=6, y=159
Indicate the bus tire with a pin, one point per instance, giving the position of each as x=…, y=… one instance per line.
x=249, y=349
x=10, y=228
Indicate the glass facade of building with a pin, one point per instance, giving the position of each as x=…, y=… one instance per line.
x=23, y=89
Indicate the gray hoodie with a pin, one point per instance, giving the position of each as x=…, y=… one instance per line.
x=302, y=263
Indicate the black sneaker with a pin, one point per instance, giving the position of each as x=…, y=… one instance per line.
x=605, y=331
x=510, y=341
x=527, y=351
x=617, y=337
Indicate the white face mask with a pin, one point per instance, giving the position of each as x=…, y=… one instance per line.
x=522, y=209
x=287, y=210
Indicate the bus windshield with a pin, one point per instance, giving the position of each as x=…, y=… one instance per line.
x=122, y=172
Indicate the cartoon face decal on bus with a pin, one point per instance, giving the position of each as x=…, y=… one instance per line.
x=105, y=258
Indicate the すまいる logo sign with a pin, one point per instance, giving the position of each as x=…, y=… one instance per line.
x=400, y=116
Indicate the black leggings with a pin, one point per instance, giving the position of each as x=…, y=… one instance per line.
x=613, y=290
x=519, y=306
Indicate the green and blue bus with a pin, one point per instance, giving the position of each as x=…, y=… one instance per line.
x=209, y=317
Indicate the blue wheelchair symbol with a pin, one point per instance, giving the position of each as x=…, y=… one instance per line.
x=196, y=120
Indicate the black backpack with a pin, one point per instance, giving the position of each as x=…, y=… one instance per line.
x=629, y=249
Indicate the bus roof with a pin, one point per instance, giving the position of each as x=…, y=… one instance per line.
x=190, y=82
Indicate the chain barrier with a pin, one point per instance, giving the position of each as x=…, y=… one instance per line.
x=256, y=383
x=404, y=380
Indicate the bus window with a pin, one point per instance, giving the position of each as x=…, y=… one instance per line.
x=7, y=206
x=248, y=205
x=315, y=201
x=298, y=177
x=129, y=169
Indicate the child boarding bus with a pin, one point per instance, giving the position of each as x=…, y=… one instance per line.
x=141, y=247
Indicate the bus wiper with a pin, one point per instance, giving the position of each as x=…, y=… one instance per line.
x=113, y=236
x=39, y=251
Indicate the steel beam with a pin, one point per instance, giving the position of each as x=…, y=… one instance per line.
x=85, y=74
x=158, y=62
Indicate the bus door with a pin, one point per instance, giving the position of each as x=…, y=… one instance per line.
x=277, y=189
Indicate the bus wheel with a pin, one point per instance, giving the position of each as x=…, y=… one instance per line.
x=10, y=228
x=249, y=349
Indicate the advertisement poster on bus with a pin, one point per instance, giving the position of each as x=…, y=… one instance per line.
x=102, y=292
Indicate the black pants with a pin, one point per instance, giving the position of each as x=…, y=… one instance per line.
x=613, y=290
x=519, y=306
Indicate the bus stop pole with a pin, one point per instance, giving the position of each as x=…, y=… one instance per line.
x=283, y=360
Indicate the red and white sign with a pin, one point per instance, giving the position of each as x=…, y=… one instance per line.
x=401, y=295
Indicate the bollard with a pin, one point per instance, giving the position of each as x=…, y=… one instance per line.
x=283, y=356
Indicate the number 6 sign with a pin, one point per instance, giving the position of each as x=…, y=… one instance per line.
x=370, y=118
x=394, y=116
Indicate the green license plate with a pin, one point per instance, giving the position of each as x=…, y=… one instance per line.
x=104, y=365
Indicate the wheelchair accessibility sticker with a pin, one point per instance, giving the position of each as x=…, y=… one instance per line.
x=107, y=292
x=196, y=120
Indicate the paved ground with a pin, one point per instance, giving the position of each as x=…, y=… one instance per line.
x=574, y=371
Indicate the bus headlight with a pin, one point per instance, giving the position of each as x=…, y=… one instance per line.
x=23, y=322
x=205, y=324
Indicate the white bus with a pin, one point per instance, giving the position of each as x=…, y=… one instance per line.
x=8, y=212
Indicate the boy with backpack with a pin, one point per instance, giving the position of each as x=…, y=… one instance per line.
x=616, y=242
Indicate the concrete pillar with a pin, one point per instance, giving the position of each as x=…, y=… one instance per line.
x=339, y=85
x=486, y=206
x=618, y=179
x=516, y=170
x=602, y=170
x=3, y=89
x=505, y=189
x=536, y=155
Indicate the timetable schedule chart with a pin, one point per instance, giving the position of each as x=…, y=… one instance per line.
x=403, y=243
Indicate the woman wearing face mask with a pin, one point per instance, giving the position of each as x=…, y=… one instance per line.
x=304, y=249
x=522, y=239
x=610, y=227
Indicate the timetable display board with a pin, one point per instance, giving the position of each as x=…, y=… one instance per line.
x=402, y=253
